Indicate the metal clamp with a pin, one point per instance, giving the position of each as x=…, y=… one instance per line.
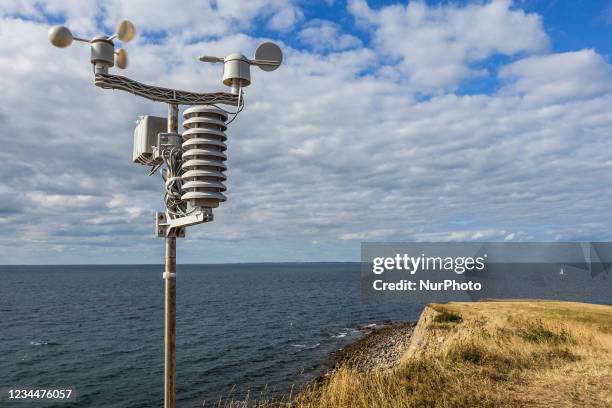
x=166, y=227
x=169, y=275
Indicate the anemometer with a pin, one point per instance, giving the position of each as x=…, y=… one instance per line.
x=192, y=163
x=103, y=54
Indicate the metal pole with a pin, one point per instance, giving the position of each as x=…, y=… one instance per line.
x=170, y=298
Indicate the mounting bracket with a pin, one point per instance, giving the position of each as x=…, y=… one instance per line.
x=159, y=94
x=166, y=227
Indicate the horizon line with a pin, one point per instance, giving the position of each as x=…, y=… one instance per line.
x=210, y=263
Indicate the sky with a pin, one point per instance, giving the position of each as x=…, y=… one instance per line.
x=388, y=121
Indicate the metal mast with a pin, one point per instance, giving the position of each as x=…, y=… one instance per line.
x=170, y=297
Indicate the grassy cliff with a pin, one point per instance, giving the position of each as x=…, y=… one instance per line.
x=487, y=354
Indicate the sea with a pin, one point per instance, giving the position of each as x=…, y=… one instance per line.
x=243, y=330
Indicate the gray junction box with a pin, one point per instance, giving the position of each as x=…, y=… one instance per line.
x=145, y=137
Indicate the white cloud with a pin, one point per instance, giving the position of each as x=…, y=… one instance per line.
x=79, y=14
x=190, y=18
x=560, y=77
x=285, y=18
x=324, y=35
x=325, y=151
x=435, y=46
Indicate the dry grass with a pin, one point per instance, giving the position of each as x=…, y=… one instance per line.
x=487, y=354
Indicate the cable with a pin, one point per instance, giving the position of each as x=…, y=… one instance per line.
x=173, y=182
x=155, y=167
x=239, y=107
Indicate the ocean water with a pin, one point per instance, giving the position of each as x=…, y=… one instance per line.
x=240, y=328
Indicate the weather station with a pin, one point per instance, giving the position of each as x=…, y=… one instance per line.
x=191, y=163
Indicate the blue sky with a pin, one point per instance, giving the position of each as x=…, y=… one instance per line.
x=570, y=24
x=394, y=120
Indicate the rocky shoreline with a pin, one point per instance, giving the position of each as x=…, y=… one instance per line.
x=381, y=348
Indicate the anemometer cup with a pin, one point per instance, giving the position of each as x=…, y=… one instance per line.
x=60, y=36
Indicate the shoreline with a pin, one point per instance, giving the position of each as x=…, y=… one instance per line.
x=380, y=348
